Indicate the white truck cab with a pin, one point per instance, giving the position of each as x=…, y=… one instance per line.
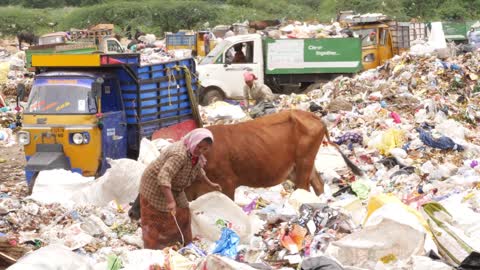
x=221, y=71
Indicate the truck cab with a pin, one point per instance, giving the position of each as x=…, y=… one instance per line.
x=382, y=38
x=377, y=44
x=221, y=71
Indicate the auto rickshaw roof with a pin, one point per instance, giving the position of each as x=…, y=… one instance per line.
x=89, y=74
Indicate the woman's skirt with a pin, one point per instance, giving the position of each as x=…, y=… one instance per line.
x=159, y=229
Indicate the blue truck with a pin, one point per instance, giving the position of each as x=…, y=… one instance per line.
x=85, y=108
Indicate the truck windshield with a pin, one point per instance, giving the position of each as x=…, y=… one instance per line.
x=48, y=98
x=212, y=56
x=368, y=36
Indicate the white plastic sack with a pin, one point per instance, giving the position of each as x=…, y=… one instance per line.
x=223, y=110
x=329, y=159
x=209, y=208
x=425, y=263
x=390, y=230
x=52, y=257
x=121, y=182
x=150, y=150
x=58, y=186
x=437, y=36
x=141, y=259
x=301, y=196
x=216, y=262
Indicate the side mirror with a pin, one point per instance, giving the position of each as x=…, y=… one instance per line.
x=20, y=91
x=97, y=87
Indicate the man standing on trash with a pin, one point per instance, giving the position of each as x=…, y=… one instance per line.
x=230, y=32
x=165, y=216
x=255, y=92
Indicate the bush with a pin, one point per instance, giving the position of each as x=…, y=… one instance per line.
x=14, y=20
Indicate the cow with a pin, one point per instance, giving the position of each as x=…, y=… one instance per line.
x=27, y=37
x=263, y=153
x=261, y=25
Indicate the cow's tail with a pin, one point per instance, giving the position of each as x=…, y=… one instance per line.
x=353, y=167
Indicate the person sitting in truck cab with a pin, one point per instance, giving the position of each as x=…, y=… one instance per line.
x=255, y=92
x=239, y=56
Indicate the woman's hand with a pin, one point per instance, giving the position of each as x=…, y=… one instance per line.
x=172, y=206
x=216, y=187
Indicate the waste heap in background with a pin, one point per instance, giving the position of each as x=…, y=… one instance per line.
x=412, y=126
x=308, y=30
x=13, y=72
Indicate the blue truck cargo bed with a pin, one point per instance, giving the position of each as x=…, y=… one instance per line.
x=155, y=96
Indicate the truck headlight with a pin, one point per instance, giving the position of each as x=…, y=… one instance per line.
x=80, y=138
x=369, y=57
x=23, y=137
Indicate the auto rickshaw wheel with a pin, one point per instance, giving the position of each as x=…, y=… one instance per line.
x=32, y=183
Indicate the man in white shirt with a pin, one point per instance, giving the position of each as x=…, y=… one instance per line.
x=254, y=91
x=230, y=32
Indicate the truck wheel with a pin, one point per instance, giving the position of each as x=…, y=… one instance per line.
x=211, y=95
x=313, y=86
x=32, y=183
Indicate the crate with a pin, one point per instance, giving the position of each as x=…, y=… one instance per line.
x=159, y=98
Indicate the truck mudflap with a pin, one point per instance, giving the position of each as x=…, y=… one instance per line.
x=48, y=157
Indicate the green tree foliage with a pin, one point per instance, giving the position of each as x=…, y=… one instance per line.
x=158, y=16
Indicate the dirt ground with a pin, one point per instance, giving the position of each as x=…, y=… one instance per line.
x=12, y=175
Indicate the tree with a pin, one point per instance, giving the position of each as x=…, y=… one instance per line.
x=43, y=3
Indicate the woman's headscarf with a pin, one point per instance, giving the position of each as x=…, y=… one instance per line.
x=249, y=76
x=193, y=138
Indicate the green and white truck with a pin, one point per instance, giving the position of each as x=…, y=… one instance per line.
x=285, y=65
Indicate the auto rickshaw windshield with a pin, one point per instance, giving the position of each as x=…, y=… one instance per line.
x=61, y=99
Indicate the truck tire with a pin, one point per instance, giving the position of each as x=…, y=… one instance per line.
x=313, y=86
x=210, y=95
x=32, y=183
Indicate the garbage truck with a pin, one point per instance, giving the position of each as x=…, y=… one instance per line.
x=86, y=108
x=382, y=37
x=285, y=65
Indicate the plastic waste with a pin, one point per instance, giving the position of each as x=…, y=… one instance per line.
x=150, y=150
x=301, y=196
x=216, y=262
x=227, y=244
x=392, y=138
x=320, y=262
x=52, y=257
x=211, y=207
x=114, y=262
x=292, y=239
x=451, y=242
x=120, y=182
x=361, y=188
x=175, y=261
x=391, y=231
x=443, y=143
x=142, y=259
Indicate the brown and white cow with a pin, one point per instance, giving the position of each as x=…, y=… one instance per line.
x=264, y=152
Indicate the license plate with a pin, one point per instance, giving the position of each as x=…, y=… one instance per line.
x=57, y=130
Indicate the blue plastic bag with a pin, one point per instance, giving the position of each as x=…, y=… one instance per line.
x=444, y=143
x=227, y=245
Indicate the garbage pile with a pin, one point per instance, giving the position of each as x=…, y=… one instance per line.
x=153, y=51
x=410, y=125
x=308, y=30
x=13, y=72
x=222, y=113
